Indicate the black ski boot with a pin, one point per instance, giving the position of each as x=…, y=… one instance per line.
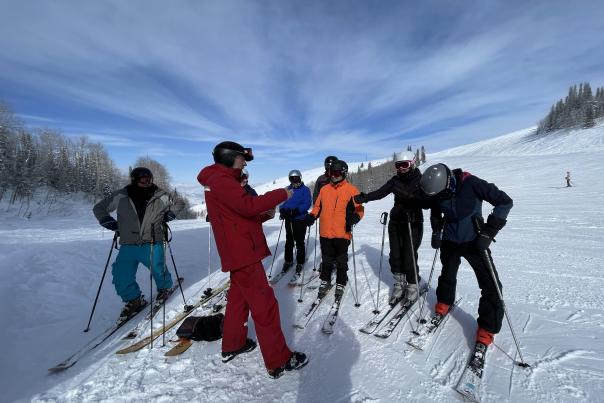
x=286, y=266
x=247, y=347
x=299, y=268
x=323, y=289
x=133, y=307
x=296, y=361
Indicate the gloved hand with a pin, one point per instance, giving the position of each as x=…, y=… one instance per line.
x=351, y=219
x=360, y=198
x=169, y=216
x=284, y=213
x=109, y=223
x=488, y=232
x=436, y=240
x=309, y=220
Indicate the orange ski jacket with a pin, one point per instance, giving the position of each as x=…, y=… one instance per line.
x=331, y=207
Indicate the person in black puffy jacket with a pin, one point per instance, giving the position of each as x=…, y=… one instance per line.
x=408, y=203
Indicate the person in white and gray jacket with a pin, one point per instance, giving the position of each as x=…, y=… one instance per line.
x=141, y=206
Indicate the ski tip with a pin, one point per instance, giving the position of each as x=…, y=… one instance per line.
x=298, y=326
x=58, y=368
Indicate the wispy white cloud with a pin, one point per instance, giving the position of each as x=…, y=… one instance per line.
x=299, y=79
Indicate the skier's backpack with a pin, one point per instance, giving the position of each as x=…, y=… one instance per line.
x=207, y=328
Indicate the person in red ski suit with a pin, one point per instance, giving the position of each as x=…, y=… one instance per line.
x=236, y=220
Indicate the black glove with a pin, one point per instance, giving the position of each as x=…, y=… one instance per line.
x=351, y=219
x=109, y=223
x=284, y=213
x=309, y=220
x=169, y=216
x=488, y=232
x=436, y=240
x=361, y=198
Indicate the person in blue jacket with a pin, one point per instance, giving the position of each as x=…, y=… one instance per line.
x=293, y=211
x=458, y=229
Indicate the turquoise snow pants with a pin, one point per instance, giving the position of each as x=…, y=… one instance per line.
x=125, y=266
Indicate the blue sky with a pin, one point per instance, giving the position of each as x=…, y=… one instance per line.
x=295, y=80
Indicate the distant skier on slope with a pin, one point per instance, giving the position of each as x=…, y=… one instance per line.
x=140, y=206
x=236, y=219
x=567, y=178
x=458, y=198
x=408, y=202
x=293, y=211
x=338, y=212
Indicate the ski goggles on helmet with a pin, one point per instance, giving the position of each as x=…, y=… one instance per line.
x=403, y=164
x=335, y=173
x=247, y=154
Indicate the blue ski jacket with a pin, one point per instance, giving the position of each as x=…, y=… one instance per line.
x=301, y=200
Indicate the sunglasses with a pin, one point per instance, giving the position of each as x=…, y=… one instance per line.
x=295, y=179
x=335, y=174
x=145, y=180
x=403, y=164
x=247, y=154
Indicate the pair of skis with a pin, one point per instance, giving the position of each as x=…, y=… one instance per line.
x=173, y=322
x=101, y=338
x=387, y=329
x=470, y=382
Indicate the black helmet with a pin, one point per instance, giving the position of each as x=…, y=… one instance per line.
x=224, y=153
x=140, y=172
x=328, y=161
x=436, y=179
x=339, y=166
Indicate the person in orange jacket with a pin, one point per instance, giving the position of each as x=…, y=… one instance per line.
x=338, y=212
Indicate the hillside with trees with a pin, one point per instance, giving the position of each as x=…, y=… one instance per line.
x=579, y=109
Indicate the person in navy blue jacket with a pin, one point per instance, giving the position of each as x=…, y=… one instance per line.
x=293, y=211
x=458, y=229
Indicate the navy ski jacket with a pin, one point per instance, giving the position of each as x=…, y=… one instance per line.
x=466, y=202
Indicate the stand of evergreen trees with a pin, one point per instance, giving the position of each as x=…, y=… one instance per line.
x=46, y=161
x=580, y=108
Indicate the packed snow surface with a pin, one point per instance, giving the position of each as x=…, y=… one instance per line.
x=549, y=257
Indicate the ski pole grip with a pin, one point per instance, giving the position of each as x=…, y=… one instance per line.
x=384, y=218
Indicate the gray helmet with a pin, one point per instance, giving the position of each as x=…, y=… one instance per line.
x=294, y=172
x=435, y=179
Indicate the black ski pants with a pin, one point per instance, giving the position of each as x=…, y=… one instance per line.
x=403, y=248
x=490, y=308
x=334, y=251
x=295, y=231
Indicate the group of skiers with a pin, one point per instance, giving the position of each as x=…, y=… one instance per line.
x=236, y=214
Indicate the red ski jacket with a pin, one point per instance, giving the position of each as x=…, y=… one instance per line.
x=236, y=216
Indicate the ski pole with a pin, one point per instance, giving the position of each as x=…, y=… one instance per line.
x=302, y=280
x=423, y=299
x=270, y=273
x=486, y=256
x=113, y=244
x=413, y=260
x=354, y=266
x=187, y=308
x=491, y=266
x=314, y=260
x=209, y=289
x=383, y=221
x=151, y=281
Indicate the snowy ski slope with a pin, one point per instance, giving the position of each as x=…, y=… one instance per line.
x=549, y=256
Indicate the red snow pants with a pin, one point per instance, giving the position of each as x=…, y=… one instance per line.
x=250, y=291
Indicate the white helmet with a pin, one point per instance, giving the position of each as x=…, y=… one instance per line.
x=405, y=156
